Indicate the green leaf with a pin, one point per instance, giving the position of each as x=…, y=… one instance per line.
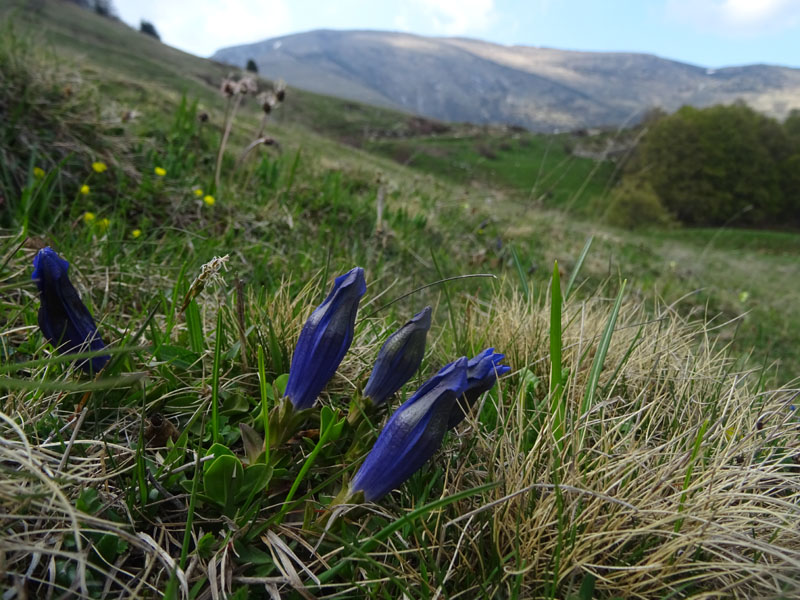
x=88, y=501
x=253, y=444
x=256, y=478
x=109, y=546
x=234, y=404
x=222, y=480
x=280, y=383
x=205, y=546
x=216, y=450
x=175, y=355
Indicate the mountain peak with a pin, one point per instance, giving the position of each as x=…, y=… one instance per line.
x=464, y=79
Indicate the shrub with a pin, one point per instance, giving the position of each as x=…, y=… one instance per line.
x=148, y=28
x=720, y=165
x=635, y=204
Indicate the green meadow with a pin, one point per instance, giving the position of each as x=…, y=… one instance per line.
x=643, y=445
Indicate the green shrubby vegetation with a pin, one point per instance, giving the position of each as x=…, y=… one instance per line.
x=722, y=165
x=634, y=204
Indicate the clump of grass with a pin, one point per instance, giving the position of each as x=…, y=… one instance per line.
x=680, y=478
x=51, y=118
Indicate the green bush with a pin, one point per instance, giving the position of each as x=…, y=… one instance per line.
x=721, y=165
x=635, y=204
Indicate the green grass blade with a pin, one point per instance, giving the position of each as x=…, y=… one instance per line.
x=627, y=355
x=292, y=172
x=602, y=350
x=215, y=380
x=327, y=427
x=262, y=385
x=523, y=279
x=10, y=383
x=174, y=301
x=450, y=311
x=557, y=407
x=384, y=533
x=195, y=326
x=67, y=358
x=577, y=267
x=689, y=470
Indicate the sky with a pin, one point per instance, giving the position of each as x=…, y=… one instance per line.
x=710, y=33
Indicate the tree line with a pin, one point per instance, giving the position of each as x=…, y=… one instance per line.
x=725, y=164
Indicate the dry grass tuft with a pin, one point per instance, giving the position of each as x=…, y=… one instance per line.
x=682, y=478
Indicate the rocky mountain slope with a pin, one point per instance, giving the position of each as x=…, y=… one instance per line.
x=460, y=79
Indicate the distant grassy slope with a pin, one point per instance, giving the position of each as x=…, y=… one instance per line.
x=535, y=168
x=136, y=69
x=131, y=67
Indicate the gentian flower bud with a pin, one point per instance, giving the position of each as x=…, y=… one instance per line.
x=399, y=358
x=63, y=318
x=324, y=340
x=482, y=373
x=413, y=433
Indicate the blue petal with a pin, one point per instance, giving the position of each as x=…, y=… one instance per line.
x=413, y=434
x=482, y=373
x=63, y=318
x=325, y=339
x=399, y=358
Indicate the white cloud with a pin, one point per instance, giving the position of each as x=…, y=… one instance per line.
x=458, y=17
x=203, y=26
x=737, y=17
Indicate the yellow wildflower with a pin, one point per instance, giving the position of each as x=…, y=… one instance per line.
x=198, y=192
x=160, y=171
x=85, y=189
x=88, y=217
x=99, y=167
x=38, y=172
x=102, y=225
x=136, y=233
x=209, y=200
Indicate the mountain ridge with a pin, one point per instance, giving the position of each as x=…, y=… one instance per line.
x=541, y=88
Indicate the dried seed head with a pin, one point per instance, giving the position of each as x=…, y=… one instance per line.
x=280, y=90
x=247, y=85
x=130, y=115
x=267, y=100
x=209, y=273
x=228, y=87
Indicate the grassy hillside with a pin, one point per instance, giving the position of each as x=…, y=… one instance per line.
x=537, y=169
x=635, y=449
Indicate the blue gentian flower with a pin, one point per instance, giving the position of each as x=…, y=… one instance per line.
x=482, y=373
x=399, y=358
x=63, y=318
x=324, y=340
x=413, y=433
